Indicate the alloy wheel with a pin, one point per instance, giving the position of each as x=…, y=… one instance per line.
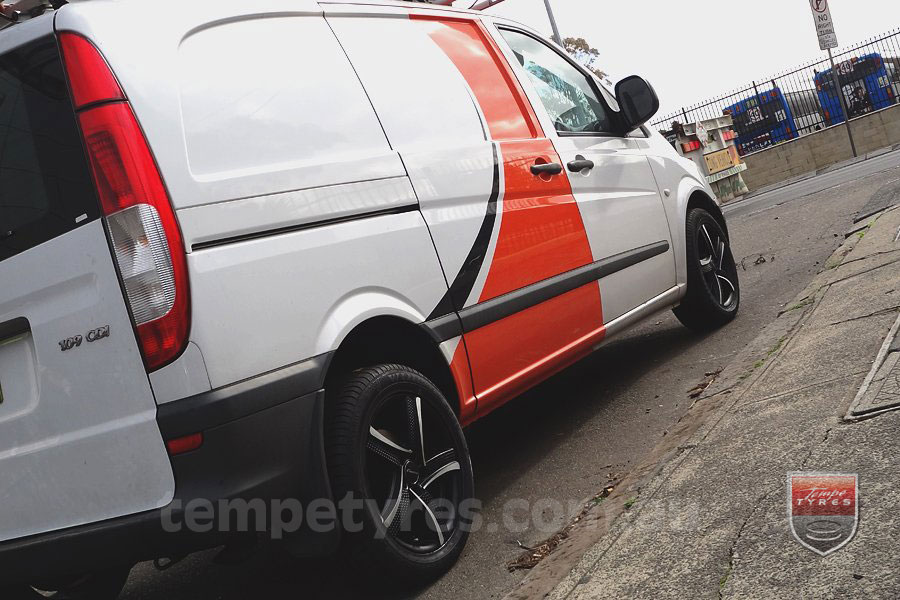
x=412, y=470
x=717, y=266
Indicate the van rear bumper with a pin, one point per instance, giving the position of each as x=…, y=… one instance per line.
x=275, y=453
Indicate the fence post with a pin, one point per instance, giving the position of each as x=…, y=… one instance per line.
x=684, y=113
x=756, y=91
x=840, y=94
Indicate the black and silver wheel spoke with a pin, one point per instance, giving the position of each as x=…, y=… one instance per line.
x=414, y=418
x=438, y=466
x=727, y=281
x=398, y=516
x=381, y=445
x=425, y=499
x=713, y=252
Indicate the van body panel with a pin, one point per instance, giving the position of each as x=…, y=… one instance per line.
x=298, y=294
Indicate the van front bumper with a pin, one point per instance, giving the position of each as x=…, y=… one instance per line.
x=262, y=443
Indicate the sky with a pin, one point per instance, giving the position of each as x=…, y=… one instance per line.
x=692, y=50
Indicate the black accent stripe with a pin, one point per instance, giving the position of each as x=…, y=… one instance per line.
x=223, y=405
x=444, y=328
x=462, y=285
x=292, y=228
x=479, y=315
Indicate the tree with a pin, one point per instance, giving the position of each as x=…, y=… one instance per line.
x=582, y=51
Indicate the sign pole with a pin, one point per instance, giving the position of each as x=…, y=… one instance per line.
x=827, y=40
x=556, y=36
x=840, y=93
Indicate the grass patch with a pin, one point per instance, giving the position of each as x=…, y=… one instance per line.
x=629, y=503
x=776, y=347
x=724, y=579
x=802, y=304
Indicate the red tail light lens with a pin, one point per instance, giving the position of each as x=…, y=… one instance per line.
x=90, y=78
x=146, y=241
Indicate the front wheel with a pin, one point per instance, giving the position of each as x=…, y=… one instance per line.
x=714, y=292
x=394, y=443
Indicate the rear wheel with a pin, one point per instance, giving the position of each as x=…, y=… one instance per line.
x=394, y=443
x=714, y=292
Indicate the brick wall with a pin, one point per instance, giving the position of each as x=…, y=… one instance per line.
x=822, y=149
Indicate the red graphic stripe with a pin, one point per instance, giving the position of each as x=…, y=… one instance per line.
x=541, y=230
x=541, y=235
x=507, y=111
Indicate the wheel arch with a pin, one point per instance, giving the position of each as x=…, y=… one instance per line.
x=392, y=339
x=700, y=199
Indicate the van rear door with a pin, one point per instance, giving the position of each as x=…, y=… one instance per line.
x=79, y=441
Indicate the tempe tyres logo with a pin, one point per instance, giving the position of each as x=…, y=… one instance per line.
x=823, y=509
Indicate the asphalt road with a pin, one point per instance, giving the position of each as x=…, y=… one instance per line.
x=545, y=453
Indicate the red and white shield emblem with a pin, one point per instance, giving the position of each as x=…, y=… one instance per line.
x=823, y=509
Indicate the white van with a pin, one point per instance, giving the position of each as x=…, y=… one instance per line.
x=261, y=257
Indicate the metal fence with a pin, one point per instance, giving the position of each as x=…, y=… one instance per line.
x=803, y=100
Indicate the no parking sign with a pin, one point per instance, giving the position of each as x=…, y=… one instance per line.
x=824, y=24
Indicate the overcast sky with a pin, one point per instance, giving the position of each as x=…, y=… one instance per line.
x=691, y=50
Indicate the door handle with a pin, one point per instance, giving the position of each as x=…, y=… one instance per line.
x=580, y=164
x=546, y=169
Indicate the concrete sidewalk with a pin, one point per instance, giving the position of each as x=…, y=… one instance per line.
x=709, y=519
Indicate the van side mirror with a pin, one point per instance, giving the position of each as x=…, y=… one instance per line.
x=638, y=101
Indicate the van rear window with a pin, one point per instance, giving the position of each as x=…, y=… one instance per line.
x=45, y=185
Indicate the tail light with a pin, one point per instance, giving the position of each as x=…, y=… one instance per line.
x=144, y=233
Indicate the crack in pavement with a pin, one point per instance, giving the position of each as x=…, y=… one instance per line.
x=866, y=272
x=756, y=506
x=731, y=550
x=800, y=389
x=877, y=313
x=874, y=254
x=813, y=449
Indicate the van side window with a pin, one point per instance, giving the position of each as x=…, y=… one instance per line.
x=565, y=92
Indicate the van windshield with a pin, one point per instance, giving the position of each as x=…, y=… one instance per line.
x=45, y=185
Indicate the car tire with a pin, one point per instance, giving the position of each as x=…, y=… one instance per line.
x=394, y=442
x=713, y=290
x=101, y=585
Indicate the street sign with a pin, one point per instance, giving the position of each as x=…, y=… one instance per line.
x=824, y=24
